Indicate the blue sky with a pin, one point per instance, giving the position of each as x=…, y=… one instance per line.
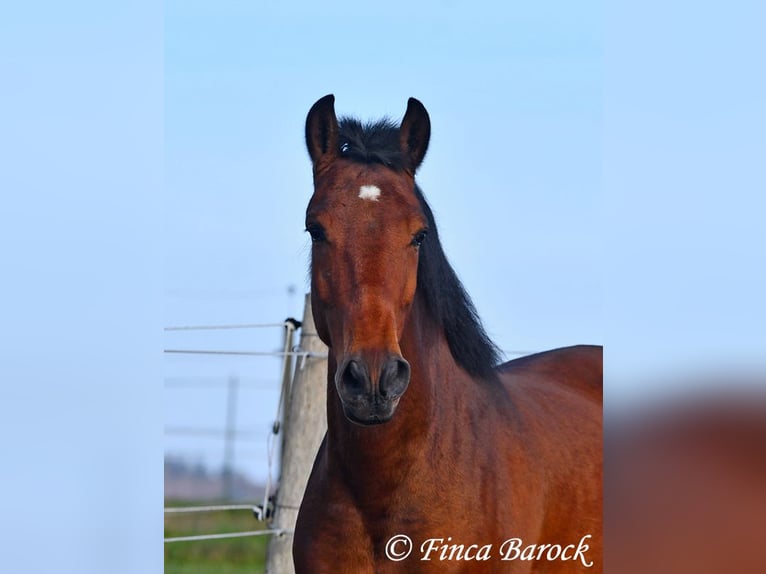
x=684, y=207
x=596, y=171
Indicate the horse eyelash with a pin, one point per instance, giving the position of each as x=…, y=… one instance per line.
x=419, y=238
x=317, y=232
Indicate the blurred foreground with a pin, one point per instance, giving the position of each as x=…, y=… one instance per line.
x=685, y=488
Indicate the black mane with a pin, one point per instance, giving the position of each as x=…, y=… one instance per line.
x=444, y=296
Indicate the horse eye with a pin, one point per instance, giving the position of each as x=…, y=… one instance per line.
x=419, y=237
x=317, y=232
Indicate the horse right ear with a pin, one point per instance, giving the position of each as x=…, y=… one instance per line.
x=322, y=129
x=414, y=133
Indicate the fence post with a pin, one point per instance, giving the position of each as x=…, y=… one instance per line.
x=304, y=429
x=287, y=376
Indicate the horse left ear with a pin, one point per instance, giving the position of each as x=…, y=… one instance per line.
x=415, y=133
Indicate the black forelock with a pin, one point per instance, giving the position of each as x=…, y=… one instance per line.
x=371, y=142
x=443, y=294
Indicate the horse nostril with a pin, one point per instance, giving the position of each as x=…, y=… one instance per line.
x=394, y=378
x=354, y=378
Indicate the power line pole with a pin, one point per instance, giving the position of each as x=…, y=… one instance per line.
x=230, y=437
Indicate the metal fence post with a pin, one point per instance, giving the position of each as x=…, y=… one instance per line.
x=288, y=361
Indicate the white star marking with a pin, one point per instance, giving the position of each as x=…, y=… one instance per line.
x=369, y=192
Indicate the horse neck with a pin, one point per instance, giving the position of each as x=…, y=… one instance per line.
x=382, y=454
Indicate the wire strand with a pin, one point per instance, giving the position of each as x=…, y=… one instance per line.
x=302, y=354
x=176, y=509
x=207, y=382
x=227, y=535
x=242, y=434
x=220, y=327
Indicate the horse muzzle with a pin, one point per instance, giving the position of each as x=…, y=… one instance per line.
x=371, y=399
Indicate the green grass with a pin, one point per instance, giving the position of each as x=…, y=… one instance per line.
x=245, y=555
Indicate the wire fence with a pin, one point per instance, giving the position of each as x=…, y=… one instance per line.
x=289, y=355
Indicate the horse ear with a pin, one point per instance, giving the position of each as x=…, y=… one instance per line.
x=415, y=133
x=322, y=129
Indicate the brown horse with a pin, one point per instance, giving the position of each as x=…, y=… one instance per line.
x=435, y=459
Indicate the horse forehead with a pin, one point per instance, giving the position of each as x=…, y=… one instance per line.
x=368, y=192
